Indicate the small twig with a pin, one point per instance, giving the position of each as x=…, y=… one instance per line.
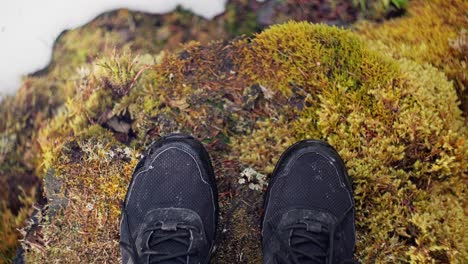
x=144, y=68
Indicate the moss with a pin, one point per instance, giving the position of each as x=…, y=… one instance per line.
x=10, y=221
x=433, y=32
x=403, y=142
x=49, y=93
x=389, y=123
x=380, y=98
x=269, y=139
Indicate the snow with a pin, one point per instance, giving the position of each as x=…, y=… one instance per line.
x=28, y=29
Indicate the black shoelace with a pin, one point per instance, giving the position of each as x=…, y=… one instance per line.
x=322, y=241
x=158, y=238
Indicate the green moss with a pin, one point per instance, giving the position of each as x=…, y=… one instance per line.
x=403, y=143
x=269, y=139
x=52, y=91
x=382, y=99
x=433, y=32
x=303, y=56
x=391, y=125
x=10, y=221
x=73, y=77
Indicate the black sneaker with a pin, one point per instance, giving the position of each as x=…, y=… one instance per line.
x=309, y=208
x=170, y=212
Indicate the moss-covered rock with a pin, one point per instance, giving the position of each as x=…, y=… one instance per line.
x=395, y=122
x=44, y=93
x=433, y=32
x=380, y=97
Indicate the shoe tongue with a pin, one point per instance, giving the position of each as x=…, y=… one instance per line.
x=310, y=229
x=170, y=246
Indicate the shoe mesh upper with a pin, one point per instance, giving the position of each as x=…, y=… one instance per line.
x=309, y=189
x=312, y=182
x=178, y=181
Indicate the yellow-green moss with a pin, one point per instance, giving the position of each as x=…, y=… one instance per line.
x=392, y=116
x=397, y=125
x=269, y=139
x=51, y=93
x=433, y=32
x=303, y=56
x=9, y=222
x=395, y=122
x=43, y=95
